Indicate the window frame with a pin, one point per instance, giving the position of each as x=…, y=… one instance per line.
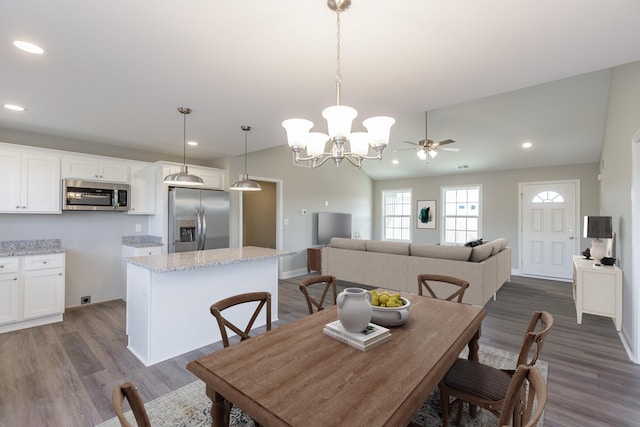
x=444, y=216
x=408, y=217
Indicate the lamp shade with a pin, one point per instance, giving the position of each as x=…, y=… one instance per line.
x=297, y=132
x=316, y=142
x=379, y=129
x=359, y=143
x=598, y=227
x=422, y=155
x=339, y=118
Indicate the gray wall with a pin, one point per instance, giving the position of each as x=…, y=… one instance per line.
x=623, y=121
x=92, y=243
x=344, y=189
x=499, y=199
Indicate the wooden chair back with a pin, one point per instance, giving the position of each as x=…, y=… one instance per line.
x=526, y=388
x=130, y=392
x=262, y=298
x=329, y=282
x=429, y=282
x=537, y=330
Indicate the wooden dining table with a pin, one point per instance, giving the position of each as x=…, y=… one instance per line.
x=295, y=375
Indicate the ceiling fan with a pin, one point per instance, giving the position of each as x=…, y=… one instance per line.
x=427, y=147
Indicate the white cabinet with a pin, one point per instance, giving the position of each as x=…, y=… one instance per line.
x=142, y=179
x=30, y=182
x=597, y=289
x=32, y=294
x=43, y=285
x=93, y=168
x=10, y=286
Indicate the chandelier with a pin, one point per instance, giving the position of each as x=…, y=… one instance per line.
x=339, y=118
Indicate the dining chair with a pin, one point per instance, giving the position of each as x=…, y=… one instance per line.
x=130, y=392
x=526, y=398
x=329, y=282
x=263, y=300
x=443, y=285
x=485, y=386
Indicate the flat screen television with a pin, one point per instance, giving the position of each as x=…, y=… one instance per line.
x=332, y=224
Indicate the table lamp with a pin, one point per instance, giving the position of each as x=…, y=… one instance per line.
x=597, y=228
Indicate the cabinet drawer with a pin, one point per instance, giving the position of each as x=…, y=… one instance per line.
x=151, y=250
x=39, y=262
x=9, y=264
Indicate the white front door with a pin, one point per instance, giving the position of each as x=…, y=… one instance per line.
x=550, y=228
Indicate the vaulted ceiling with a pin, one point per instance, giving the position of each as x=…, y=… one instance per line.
x=492, y=74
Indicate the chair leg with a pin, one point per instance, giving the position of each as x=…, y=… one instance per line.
x=460, y=405
x=444, y=407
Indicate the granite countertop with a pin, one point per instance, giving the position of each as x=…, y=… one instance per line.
x=142, y=241
x=30, y=247
x=166, y=263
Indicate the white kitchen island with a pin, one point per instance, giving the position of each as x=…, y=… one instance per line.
x=169, y=295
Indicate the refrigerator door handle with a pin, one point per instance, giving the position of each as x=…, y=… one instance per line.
x=198, y=229
x=203, y=228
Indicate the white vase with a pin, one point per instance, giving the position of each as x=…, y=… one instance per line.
x=354, y=309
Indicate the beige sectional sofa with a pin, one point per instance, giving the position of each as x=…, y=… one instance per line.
x=396, y=265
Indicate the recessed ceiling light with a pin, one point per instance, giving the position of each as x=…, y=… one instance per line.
x=527, y=145
x=192, y=143
x=394, y=161
x=13, y=107
x=28, y=47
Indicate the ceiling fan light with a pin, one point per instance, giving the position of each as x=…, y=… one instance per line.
x=421, y=154
x=339, y=118
x=359, y=142
x=297, y=132
x=316, y=142
x=379, y=129
x=433, y=153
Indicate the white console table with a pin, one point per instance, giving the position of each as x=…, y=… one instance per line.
x=597, y=289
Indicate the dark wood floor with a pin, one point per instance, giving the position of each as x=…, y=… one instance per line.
x=63, y=374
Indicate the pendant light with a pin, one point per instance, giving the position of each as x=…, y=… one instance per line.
x=183, y=177
x=245, y=184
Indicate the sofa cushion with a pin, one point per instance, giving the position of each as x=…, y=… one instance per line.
x=346, y=243
x=481, y=252
x=497, y=245
x=455, y=253
x=397, y=248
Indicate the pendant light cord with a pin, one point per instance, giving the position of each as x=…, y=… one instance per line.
x=338, y=73
x=184, y=138
x=246, y=130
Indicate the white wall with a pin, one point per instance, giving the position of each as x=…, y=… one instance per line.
x=344, y=189
x=499, y=197
x=623, y=121
x=92, y=243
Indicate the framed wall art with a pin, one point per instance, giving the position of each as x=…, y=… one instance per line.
x=426, y=214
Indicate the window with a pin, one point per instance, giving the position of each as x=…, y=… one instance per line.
x=547, y=197
x=396, y=206
x=462, y=221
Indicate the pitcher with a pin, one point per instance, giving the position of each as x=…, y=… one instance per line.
x=354, y=309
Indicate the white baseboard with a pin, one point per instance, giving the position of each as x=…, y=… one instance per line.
x=293, y=273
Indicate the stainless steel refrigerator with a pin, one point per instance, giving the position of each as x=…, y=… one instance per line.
x=198, y=219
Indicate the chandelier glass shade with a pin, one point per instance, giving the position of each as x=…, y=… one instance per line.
x=183, y=177
x=311, y=146
x=245, y=184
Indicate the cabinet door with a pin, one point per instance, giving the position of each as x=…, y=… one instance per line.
x=10, y=178
x=40, y=183
x=213, y=178
x=113, y=171
x=79, y=168
x=10, y=298
x=143, y=189
x=43, y=292
x=598, y=293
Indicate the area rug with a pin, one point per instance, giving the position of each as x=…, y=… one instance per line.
x=190, y=407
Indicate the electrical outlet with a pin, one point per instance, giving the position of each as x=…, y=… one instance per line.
x=138, y=228
x=85, y=300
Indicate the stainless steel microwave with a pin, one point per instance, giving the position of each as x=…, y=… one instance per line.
x=81, y=195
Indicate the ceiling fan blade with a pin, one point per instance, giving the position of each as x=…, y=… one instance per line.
x=446, y=141
x=405, y=149
x=449, y=149
x=412, y=143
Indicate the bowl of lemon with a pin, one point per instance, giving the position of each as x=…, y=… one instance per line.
x=389, y=309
